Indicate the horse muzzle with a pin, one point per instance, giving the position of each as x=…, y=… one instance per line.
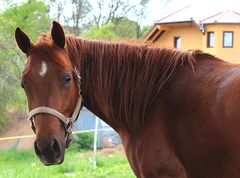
x=50, y=151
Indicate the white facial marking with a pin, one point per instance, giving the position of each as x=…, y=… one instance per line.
x=43, y=69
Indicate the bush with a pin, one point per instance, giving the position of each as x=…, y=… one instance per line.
x=84, y=140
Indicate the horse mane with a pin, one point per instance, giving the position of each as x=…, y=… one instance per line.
x=119, y=80
x=124, y=80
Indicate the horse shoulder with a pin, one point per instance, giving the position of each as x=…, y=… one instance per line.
x=150, y=152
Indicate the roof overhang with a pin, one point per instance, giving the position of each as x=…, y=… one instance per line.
x=160, y=27
x=175, y=22
x=153, y=34
x=220, y=23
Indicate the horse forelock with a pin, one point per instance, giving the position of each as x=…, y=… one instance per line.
x=45, y=49
x=124, y=80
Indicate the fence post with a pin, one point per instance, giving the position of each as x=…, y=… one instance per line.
x=95, y=142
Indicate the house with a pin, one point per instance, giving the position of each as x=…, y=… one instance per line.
x=218, y=34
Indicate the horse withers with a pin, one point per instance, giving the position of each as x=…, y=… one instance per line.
x=177, y=112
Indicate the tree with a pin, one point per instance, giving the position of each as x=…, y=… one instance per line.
x=106, y=11
x=83, y=17
x=124, y=29
x=140, y=15
x=76, y=19
x=106, y=32
x=118, y=13
x=32, y=17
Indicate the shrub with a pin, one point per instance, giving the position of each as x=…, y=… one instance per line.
x=84, y=140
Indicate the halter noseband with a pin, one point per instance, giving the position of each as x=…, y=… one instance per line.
x=68, y=121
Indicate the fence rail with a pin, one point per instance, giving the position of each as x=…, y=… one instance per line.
x=74, y=132
x=31, y=136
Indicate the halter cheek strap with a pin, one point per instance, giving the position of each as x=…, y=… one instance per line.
x=60, y=116
x=47, y=110
x=68, y=122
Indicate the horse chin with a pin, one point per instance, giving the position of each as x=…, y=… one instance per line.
x=51, y=161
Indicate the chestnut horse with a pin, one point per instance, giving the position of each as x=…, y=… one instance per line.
x=177, y=113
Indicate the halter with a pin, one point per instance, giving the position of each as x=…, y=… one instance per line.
x=68, y=121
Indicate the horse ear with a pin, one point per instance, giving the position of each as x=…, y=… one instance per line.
x=22, y=40
x=58, y=35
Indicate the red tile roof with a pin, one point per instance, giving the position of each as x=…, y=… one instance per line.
x=188, y=13
x=223, y=17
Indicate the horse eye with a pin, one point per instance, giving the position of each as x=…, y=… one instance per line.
x=67, y=78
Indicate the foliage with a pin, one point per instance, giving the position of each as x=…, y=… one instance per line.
x=104, y=19
x=130, y=29
x=126, y=29
x=117, y=12
x=143, y=31
x=74, y=21
x=105, y=32
x=105, y=11
x=84, y=141
x=24, y=164
x=32, y=18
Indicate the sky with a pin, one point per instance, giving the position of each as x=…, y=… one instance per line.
x=200, y=9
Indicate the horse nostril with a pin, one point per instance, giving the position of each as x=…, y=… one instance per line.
x=48, y=150
x=37, y=149
x=55, y=148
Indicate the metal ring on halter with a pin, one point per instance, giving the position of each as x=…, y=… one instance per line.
x=68, y=122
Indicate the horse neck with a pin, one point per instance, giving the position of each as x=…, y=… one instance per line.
x=120, y=82
x=88, y=56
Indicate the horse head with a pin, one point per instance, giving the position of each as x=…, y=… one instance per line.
x=52, y=86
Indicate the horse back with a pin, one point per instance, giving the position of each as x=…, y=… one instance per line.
x=203, y=117
x=191, y=130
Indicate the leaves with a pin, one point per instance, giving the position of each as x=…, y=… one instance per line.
x=31, y=17
x=76, y=15
x=105, y=32
x=124, y=29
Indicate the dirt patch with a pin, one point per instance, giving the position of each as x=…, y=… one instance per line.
x=18, y=125
x=109, y=151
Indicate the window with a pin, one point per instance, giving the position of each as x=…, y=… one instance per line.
x=210, y=39
x=227, y=39
x=177, y=42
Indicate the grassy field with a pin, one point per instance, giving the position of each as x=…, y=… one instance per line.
x=24, y=164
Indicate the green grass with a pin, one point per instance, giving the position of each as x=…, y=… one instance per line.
x=24, y=164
